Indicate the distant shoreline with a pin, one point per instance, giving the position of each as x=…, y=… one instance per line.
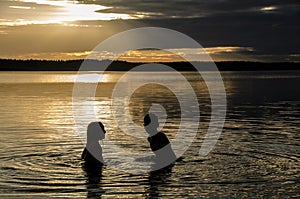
x=95, y=65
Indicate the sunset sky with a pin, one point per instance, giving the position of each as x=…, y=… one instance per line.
x=248, y=30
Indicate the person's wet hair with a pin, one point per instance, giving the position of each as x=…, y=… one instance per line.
x=95, y=131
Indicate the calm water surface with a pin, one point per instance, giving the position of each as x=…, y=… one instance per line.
x=257, y=155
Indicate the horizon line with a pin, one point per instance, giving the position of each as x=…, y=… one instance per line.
x=143, y=62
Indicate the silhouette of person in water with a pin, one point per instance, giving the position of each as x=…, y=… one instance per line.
x=92, y=153
x=93, y=159
x=159, y=143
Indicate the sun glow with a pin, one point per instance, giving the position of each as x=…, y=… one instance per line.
x=269, y=8
x=219, y=53
x=59, y=12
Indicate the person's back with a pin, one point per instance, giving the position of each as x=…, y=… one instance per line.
x=159, y=143
x=89, y=159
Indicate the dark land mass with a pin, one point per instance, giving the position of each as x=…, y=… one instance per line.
x=107, y=65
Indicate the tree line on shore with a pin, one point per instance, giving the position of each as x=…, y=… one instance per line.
x=101, y=65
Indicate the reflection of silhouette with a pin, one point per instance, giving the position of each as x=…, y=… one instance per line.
x=158, y=179
x=93, y=183
x=93, y=159
x=159, y=143
x=92, y=153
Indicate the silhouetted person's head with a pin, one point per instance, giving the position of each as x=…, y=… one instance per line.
x=151, y=123
x=95, y=132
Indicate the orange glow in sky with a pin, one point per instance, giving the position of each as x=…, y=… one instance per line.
x=70, y=29
x=51, y=11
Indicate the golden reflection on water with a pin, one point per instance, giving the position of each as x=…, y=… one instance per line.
x=58, y=77
x=41, y=152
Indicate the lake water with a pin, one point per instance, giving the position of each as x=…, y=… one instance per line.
x=256, y=156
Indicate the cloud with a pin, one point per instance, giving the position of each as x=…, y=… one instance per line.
x=26, y=12
x=50, y=55
x=191, y=8
x=269, y=29
x=220, y=53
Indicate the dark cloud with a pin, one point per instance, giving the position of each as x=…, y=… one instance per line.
x=270, y=27
x=193, y=8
